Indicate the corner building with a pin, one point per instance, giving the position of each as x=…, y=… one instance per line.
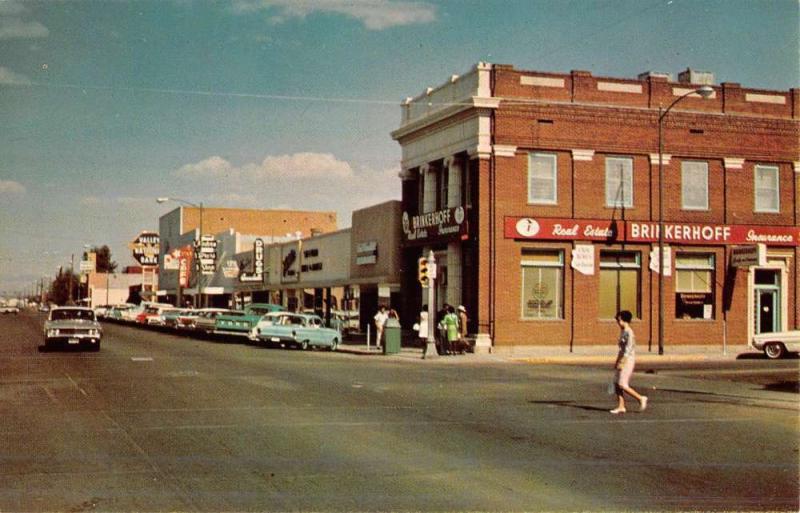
x=539, y=195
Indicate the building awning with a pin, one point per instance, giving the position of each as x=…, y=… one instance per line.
x=208, y=291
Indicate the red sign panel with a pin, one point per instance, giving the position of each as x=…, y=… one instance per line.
x=643, y=231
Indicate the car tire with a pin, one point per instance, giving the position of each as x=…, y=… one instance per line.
x=334, y=344
x=774, y=350
x=303, y=345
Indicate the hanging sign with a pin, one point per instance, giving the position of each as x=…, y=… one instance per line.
x=667, y=261
x=583, y=259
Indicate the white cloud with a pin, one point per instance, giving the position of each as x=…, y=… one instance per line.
x=11, y=8
x=374, y=14
x=297, y=166
x=301, y=181
x=9, y=77
x=11, y=187
x=15, y=28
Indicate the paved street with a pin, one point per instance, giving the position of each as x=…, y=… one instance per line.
x=157, y=422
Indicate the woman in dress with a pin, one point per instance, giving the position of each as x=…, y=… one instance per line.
x=625, y=364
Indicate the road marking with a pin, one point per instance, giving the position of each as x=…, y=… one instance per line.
x=142, y=358
x=76, y=385
x=50, y=394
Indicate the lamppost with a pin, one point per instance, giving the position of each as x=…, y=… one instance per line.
x=705, y=92
x=200, y=278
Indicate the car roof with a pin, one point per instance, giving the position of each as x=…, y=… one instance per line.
x=72, y=308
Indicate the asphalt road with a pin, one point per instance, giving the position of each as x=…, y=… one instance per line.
x=156, y=422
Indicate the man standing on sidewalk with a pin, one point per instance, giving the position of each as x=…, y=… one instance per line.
x=380, y=322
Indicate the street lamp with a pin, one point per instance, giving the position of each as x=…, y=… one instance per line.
x=200, y=279
x=705, y=92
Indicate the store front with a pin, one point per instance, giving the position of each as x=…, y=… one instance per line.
x=722, y=283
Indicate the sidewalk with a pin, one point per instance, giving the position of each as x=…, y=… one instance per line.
x=561, y=355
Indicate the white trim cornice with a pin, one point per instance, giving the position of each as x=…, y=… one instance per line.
x=504, y=150
x=583, y=155
x=405, y=175
x=473, y=102
x=733, y=163
x=797, y=166
x=665, y=158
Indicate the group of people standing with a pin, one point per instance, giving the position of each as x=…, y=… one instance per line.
x=450, y=332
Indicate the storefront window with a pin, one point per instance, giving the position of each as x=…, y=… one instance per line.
x=542, y=284
x=620, y=283
x=694, y=286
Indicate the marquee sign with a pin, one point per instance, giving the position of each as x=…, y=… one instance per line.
x=434, y=227
x=641, y=231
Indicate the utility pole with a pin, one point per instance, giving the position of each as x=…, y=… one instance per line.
x=71, y=269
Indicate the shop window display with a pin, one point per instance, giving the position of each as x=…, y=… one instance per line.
x=542, y=284
x=694, y=286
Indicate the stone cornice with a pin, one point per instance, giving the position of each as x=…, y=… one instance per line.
x=733, y=163
x=665, y=158
x=473, y=102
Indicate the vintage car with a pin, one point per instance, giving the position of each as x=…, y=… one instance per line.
x=73, y=326
x=776, y=345
x=237, y=324
x=206, y=319
x=293, y=329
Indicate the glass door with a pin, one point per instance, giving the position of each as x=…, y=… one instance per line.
x=767, y=301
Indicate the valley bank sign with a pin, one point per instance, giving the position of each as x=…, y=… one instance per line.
x=637, y=231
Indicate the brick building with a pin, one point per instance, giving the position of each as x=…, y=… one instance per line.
x=538, y=193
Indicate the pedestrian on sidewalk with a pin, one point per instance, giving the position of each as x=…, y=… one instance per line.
x=625, y=363
x=462, y=329
x=450, y=322
x=380, y=322
x=422, y=326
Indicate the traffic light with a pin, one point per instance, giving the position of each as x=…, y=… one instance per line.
x=422, y=271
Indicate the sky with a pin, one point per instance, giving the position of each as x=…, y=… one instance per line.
x=289, y=104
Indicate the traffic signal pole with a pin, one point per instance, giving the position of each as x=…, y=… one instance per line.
x=429, y=267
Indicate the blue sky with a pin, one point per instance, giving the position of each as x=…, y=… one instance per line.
x=106, y=105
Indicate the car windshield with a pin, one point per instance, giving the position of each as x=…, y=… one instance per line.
x=67, y=315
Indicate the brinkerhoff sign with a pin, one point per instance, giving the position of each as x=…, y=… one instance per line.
x=431, y=227
x=637, y=231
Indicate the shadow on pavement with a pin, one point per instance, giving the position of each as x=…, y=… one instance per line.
x=570, y=404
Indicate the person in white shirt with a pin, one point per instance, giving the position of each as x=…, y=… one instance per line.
x=380, y=322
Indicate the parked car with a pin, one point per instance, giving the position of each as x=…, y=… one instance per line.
x=242, y=324
x=151, y=312
x=776, y=345
x=299, y=330
x=101, y=311
x=9, y=309
x=170, y=317
x=116, y=312
x=206, y=321
x=72, y=325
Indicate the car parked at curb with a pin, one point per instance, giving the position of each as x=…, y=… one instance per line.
x=237, y=324
x=206, y=320
x=302, y=331
x=73, y=326
x=775, y=345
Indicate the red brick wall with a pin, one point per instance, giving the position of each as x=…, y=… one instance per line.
x=580, y=117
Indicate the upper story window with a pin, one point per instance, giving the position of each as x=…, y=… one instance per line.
x=694, y=185
x=619, y=182
x=767, y=189
x=442, y=189
x=542, y=178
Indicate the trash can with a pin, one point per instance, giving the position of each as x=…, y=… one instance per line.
x=391, y=336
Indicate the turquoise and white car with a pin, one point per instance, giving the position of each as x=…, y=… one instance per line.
x=302, y=331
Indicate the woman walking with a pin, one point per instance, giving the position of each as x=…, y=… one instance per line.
x=625, y=364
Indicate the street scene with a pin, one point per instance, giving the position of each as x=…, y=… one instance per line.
x=399, y=255
x=160, y=422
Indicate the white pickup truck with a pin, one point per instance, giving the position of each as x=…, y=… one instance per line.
x=776, y=345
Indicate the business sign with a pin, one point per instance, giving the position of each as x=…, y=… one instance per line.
x=207, y=254
x=145, y=248
x=185, y=255
x=746, y=256
x=257, y=275
x=87, y=266
x=230, y=269
x=172, y=260
x=290, y=262
x=434, y=227
x=583, y=259
x=647, y=232
x=367, y=252
x=666, y=261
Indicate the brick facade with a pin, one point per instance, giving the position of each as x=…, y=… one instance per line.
x=582, y=121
